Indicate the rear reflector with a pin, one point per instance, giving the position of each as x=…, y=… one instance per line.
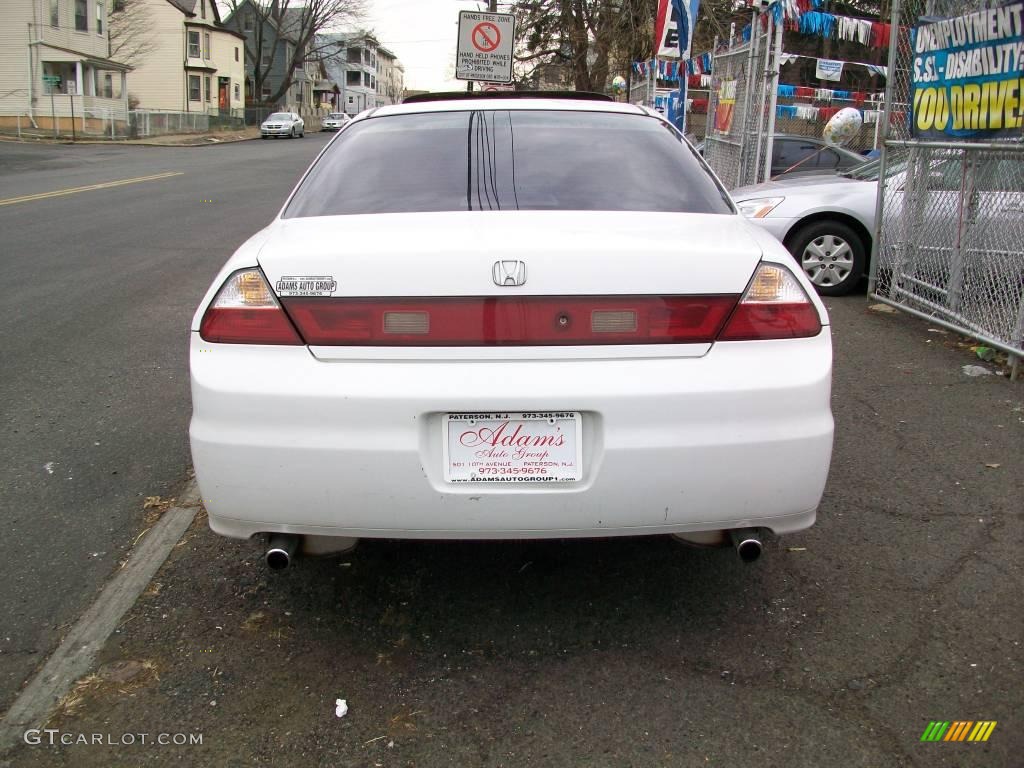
x=509, y=320
x=406, y=322
x=609, y=321
x=774, y=306
x=245, y=311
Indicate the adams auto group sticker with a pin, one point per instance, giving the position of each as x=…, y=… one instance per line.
x=310, y=285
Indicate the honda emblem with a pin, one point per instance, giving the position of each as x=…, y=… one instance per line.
x=509, y=272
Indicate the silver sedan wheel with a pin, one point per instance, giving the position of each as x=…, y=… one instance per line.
x=827, y=260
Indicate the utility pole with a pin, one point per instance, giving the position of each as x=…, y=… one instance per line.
x=492, y=7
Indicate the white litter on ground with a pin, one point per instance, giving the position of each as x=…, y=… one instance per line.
x=976, y=370
x=341, y=708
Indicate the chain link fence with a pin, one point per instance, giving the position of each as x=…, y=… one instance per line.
x=951, y=231
x=739, y=107
x=146, y=123
x=90, y=124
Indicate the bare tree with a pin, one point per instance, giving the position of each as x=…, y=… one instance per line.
x=296, y=21
x=394, y=88
x=129, y=31
x=585, y=38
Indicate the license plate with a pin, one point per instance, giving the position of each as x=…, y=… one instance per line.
x=531, y=447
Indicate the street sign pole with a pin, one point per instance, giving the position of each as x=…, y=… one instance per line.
x=53, y=112
x=492, y=6
x=52, y=81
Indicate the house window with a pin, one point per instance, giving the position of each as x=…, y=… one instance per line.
x=355, y=55
x=265, y=59
x=206, y=45
x=54, y=13
x=108, y=86
x=193, y=45
x=247, y=21
x=366, y=79
x=202, y=8
x=193, y=88
x=99, y=17
x=238, y=92
x=206, y=85
x=352, y=78
x=350, y=100
x=82, y=15
x=236, y=53
x=266, y=93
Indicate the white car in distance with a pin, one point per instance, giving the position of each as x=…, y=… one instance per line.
x=283, y=124
x=335, y=121
x=543, y=319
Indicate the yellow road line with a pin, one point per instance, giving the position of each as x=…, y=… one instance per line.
x=75, y=190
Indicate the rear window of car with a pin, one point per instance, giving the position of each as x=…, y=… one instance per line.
x=508, y=160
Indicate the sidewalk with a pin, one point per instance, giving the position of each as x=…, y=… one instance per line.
x=169, y=140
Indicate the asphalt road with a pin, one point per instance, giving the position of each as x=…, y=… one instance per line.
x=902, y=605
x=98, y=291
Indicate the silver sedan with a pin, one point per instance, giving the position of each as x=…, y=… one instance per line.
x=826, y=222
x=283, y=124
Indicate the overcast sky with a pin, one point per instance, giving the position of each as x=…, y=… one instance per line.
x=422, y=33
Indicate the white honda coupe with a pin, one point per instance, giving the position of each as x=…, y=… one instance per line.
x=530, y=318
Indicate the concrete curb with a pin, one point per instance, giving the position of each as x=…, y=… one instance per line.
x=77, y=653
x=125, y=143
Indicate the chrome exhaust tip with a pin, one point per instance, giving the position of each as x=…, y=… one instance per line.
x=747, y=542
x=281, y=549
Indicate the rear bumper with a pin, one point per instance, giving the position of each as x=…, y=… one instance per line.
x=739, y=437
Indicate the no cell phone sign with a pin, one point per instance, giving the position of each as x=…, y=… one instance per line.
x=486, y=37
x=485, y=47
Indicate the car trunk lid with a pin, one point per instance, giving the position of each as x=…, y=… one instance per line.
x=518, y=262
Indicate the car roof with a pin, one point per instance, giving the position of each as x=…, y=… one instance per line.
x=479, y=104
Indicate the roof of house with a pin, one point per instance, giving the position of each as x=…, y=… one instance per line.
x=188, y=7
x=185, y=6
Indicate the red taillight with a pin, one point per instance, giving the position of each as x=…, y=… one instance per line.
x=509, y=320
x=774, y=306
x=245, y=311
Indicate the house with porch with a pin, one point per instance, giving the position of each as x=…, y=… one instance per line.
x=192, y=62
x=55, y=70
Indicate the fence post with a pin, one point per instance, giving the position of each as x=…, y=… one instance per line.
x=744, y=117
x=773, y=99
x=883, y=162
